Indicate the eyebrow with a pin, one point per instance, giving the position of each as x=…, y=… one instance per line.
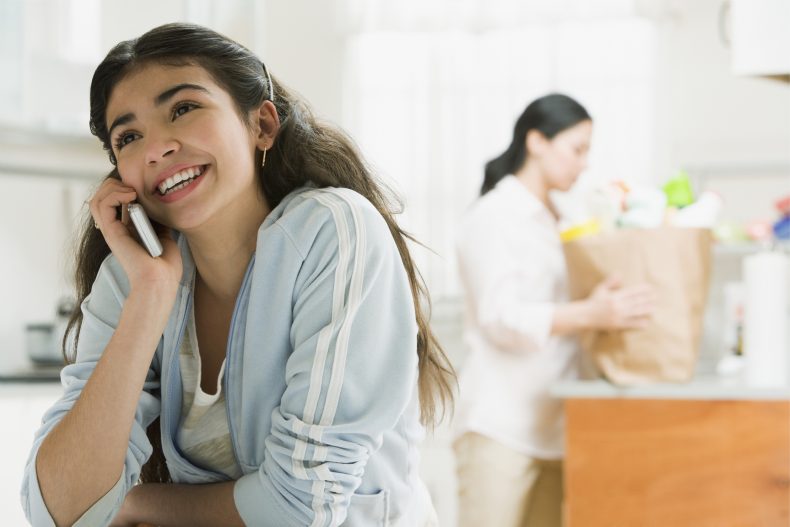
x=159, y=100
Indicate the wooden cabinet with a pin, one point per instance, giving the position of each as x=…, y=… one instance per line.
x=677, y=463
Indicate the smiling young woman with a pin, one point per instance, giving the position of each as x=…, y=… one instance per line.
x=246, y=376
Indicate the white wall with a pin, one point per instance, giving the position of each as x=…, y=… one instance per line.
x=301, y=43
x=36, y=218
x=706, y=115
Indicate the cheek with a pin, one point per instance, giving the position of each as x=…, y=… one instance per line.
x=205, y=135
x=232, y=146
x=568, y=163
x=129, y=176
x=563, y=169
x=132, y=176
x=557, y=165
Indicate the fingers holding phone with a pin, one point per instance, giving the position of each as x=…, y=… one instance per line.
x=104, y=204
x=137, y=246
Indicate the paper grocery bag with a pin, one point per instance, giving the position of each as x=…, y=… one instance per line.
x=677, y=263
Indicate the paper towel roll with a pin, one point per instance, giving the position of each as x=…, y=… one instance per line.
x=765, y=335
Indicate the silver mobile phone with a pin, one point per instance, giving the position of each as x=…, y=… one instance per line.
x=144, y=229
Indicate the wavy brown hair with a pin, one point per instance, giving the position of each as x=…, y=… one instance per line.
x=305, y=151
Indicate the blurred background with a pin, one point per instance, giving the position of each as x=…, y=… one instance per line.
x=430, y=90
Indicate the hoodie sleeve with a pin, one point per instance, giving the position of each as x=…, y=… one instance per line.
x=350, y=376
x=101, y=311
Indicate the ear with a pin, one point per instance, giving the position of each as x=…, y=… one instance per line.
x=266, y=125
x=536, y=143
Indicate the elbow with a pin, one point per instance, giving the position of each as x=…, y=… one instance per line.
x=54, y=500
x=51, y=497
x=516, y=325
x=507, y=336
x=37, y=509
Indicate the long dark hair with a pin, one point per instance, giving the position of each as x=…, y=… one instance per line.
x=550, y=115
x=305, y=150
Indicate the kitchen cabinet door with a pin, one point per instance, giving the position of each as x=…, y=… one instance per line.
x=679, y=463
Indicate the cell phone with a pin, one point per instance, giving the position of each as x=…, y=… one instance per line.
x=144, y=229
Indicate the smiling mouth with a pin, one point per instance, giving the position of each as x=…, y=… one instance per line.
x=180, y=180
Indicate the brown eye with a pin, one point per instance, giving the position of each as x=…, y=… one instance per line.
x=182, y=108
x=124, y=139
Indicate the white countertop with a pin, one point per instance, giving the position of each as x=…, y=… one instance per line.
x=22, y=406
x=710, y=387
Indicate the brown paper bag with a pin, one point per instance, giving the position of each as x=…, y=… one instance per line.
x=676, y=262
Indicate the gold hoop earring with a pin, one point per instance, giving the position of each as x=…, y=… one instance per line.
x=263, y=160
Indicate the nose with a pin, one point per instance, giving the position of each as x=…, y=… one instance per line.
x=159, y=148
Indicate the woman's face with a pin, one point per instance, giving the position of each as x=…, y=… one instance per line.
x=180, y=143
x=564, y=157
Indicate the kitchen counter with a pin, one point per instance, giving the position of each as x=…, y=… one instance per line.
x=714, y=451
x=706, y=387
x=30, y=374
x=22, y=405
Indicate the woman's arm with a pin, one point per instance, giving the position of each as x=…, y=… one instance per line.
x=350, y=376
x=510, y=285
x=572, y=317
x=508, y=282
x=83, y=456
x=180, y=505
x=609, y=307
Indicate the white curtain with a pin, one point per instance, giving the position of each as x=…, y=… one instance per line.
x=431, y=98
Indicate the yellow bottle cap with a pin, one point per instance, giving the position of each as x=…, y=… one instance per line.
x=587, y=228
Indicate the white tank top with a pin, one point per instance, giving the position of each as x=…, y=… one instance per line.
x=203, y=434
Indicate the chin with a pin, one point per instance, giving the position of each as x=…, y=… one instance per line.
x=185, y=224
x=565, y=186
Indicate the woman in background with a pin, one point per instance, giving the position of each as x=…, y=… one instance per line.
x=520, y=324
x=246, y=376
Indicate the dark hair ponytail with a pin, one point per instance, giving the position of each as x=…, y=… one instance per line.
x=550, y=115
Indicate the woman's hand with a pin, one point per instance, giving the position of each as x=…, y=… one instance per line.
x=144, y=272
x=615, y=307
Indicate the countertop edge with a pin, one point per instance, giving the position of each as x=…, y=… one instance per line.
x=702, y=388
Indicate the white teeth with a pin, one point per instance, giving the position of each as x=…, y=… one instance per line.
x=179, y=180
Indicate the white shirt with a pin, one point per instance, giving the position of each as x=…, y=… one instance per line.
x=203, y=433
x=513, y=274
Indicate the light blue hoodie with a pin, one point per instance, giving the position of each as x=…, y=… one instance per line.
x=321, y=375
